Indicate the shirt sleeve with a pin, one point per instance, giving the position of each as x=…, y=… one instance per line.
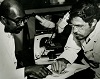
x=71, y=49
x=20, y=74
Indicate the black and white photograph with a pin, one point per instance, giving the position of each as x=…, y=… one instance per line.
x=49, y=39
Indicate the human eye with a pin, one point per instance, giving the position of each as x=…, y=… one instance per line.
x=19, y=20
x=79, y=25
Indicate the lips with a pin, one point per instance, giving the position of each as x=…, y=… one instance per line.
x=77, y=35
x=19, y=28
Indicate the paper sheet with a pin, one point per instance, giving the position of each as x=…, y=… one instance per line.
x=70, y=70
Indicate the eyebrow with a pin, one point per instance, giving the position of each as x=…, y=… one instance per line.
x=76, y=24
x=20, y=18
x=14, y=20
x=24, y=17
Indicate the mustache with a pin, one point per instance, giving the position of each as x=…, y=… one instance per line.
x=76, y=34
x=16, y=29
x=19, y=28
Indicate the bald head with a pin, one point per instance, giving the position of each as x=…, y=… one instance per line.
x=9, y=6
x=11, y=15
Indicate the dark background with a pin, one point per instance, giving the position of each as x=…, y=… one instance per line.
x=35, y=4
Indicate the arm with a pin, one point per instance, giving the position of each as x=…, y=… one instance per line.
x=63, y=22
x=68, y=56
x=37, y=71
x=71, y=49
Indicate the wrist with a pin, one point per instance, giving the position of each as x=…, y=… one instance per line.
x=27, y=70
x=64, y=60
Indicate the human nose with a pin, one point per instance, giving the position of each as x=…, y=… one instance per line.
x=75, y=29
x=22, y=23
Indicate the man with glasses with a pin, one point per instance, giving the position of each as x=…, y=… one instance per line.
x=85, y=37
x=12, y=25
x=8, y=30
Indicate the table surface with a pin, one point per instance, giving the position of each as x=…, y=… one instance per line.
x=44, y=61
x=70, y=70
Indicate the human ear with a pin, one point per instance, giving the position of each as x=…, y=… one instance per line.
x=3, y=20
x=94, y=22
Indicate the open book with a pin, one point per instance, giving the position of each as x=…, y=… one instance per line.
x=70, y=70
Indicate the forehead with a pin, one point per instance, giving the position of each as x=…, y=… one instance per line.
x=16, y=12
x=77, y=20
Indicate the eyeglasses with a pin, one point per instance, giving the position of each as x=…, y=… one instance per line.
x=80, y=27
x=18, y=21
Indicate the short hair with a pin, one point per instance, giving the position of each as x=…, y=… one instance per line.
x=6, y=5
x=86, y=10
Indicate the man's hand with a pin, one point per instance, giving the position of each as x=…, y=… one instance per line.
x=62, y=22
x=37, y=71
x=59, y=65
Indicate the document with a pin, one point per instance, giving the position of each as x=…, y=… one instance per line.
x=70, y=70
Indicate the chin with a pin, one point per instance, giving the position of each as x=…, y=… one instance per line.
x=80, y=38
x=18, y=30
x=15, y=31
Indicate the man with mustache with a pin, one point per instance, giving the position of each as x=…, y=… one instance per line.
x=85, y=35
x=12, y=17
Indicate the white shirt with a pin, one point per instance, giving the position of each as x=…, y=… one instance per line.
x=91, y=47
x=7, y=57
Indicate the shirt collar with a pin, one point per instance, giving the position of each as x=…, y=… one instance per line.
x=9, y=35
x=94, y=33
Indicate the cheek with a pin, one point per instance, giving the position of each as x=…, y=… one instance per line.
x=12, y=25
x=86, y=32
x=82, y=33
